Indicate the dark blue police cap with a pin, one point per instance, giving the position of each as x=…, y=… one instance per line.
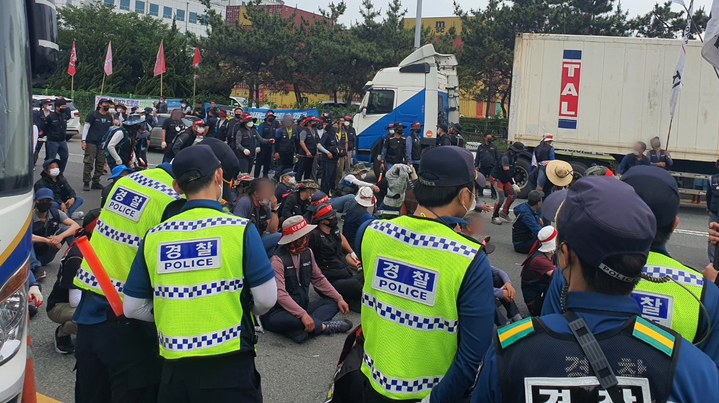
x=447, y=166
x=658, y=189
x=193, y=163
x=603, y=217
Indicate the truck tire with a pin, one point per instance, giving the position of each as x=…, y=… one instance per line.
x=579, y=170
x=521, y=177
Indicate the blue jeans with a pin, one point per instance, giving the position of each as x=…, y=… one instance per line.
x=343, y=203
x=57, y=149
x=269, y=241
x=78, y=203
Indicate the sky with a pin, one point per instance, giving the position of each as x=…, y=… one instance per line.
x=444, y=8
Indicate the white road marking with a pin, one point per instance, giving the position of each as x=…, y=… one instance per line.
x=703, y=234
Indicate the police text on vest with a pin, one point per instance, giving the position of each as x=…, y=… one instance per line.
x=197, y=254
x=405, y=280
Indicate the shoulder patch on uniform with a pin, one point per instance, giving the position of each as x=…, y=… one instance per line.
x=654, y=336
x=518, y=330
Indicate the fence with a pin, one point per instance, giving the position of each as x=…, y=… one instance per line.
x=474, y=129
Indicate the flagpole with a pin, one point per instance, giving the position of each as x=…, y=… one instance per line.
x=699, y=34
x=669, y=133
x=102, y=88
x=160, y=84
x=72, y=86
x=194, y=86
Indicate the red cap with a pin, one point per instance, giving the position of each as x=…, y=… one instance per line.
x=198, y=122
x=415, y=125
x=348, y=117
x=269, y=113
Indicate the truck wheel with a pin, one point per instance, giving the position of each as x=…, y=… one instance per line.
x=521, y=177
x=579, y=170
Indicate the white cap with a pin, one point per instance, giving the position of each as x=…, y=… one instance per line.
x=547, y=236
x=365, y=197
x=548, y=137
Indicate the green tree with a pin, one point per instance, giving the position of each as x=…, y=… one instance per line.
x=177, y=80
x=662, y=22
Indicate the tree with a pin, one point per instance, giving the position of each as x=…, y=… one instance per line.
x=662, y=22
x=177, y=80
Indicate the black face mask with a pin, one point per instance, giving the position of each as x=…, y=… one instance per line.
x=332, y=222
x=61, y=110
x=106, y=108
x=43, y=207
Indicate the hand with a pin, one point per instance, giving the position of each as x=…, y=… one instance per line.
x=83, y=146
x=714, y=233
x=273, y=202
x=509, y=291
x=309, y=323
x=70, y=202
x=118, y=161
x=344, y=308
x=55, y=241
x=35, y=295
x=163, y=145
x=329, y=155
x=375, y=188
x=63, y=207
x=486, y=207
x=661, y=164
x=276, y=156
x=272, y=141
x=257, y=150
x=308, y=154
x=246, y=152
x=710, y=273
x=382, y=166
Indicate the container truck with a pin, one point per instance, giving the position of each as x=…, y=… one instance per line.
x=599, y=95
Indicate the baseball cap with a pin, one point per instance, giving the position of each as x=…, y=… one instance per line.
x=60, y=101
x=198, y=122
x=318, y=198
x=118, y=170
x=447, y=166
x=658, y=189
x=287, y=171
x=48, y=162
x=551, y=204
x=44, y=194
x=193, y=163
x=443, y=126
x=595, y=229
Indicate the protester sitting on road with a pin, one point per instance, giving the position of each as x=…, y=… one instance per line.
x=548, y=175
x=335, y=256
x=537, y=270
x=318, y=198
x=117, y=173
x=260, y=207
x=50, y=229
x=358, y=214
x=634, y=158
x=64, y=195
x=297, y=202
x=354, y=180
x=286, y=185
x=505, y=293
x=295, y=315
x=64, y=296
x=527, y=223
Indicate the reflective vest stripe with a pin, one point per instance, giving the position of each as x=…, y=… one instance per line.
x=116, y=235
x=88, y=278
x=408, y=319
x=399, y=385
x=198, y=290
x=200, y=341
x=188, y=226
x=420, y=240
x=142, y=180
x=681, y=276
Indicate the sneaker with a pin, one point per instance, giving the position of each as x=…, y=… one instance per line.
x=496, y=220
x=298, y=336
x=78, y=215
x=97, y=185
x=39, y=273
x=86, y=186
x=504, y=216
x=337, y=326
x=63, y=344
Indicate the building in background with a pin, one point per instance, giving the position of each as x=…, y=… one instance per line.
x=438, y=26
x=236, y=12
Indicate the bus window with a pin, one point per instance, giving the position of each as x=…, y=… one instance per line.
x=380, y=102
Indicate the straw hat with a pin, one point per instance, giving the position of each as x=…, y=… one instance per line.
x=559, y=173
x=294, y=228
x=365, y=197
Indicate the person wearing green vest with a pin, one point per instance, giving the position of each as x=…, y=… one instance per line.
x=428, y=301
x=200, y=276
x=672, y=303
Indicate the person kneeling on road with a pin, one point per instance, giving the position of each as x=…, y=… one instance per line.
x=50, y=229
x=527, y=223
x=295, y=315
x=537, y=270
x=65, y=197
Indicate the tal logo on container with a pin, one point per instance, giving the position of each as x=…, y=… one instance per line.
x=569, y=95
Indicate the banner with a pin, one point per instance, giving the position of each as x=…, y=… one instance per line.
x=710, y=50
x=73, y=61
x=678, y=71
x=108, y=59
x=140, y=103
x=160, y=61
x=197, y=59
x=259, y=113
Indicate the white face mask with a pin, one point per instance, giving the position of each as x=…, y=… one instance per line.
x=111, y=110
x=250, y=124
x=347, y=123
x=220, y=198
x=473, y=205
x=200, y=130
x=391, y=131
x=636, y=152
x=292, y=181
x=265, y=202
x=55, y=172
x=363, y=176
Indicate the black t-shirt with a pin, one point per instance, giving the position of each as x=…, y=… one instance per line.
x=172, y=128
x=99, y=125
x=329, y=255
x=69, y=265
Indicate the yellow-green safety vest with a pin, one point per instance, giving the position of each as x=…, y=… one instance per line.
x=668, y=303
x=195, y=264
x=135, y=204
x=414, y=269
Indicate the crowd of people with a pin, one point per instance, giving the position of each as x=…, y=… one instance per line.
x=229, y=232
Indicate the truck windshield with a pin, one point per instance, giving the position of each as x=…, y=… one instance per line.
x=380, y=102
x=15, y=106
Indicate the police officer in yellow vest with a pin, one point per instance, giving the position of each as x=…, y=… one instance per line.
x=116, y=361
x=200, y=276
x=428, y=302
x=664, y=294
x=599, y=349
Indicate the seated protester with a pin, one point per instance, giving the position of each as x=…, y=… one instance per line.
x=335, y=257
x=260, y=207
x=297, y=202
x=64, y=296
x=527, y=223
x=286, y=185
x=505, y=293
x=550, y=174
x=295, y=315
x=397, y=179
x=50, y=229
x=318, y=198
x=64, y=195
x=117, y=173
x=354, y=180
x=537, y=270
x=358, y=214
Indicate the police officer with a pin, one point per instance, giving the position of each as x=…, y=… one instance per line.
x=351, y=140
x=394, y=148
x=455, y=134
x=674, y=304
x=284, y=139
x=658, y=157
x=487, y=156
x=247, y=141
x=329, y=158
x=55, y=128
x=443, y=135
x=601, y=252
x=307, y=153
x=413, y=145
x=444, y=286
x=267, y=131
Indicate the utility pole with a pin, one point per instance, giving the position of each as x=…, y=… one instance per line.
x=418, y=25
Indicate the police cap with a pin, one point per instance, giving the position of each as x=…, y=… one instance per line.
x=193, y=163
x=658, y=189
x=447, y=167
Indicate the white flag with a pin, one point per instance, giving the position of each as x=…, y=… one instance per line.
x=678, y=71
x=680, y=2
x=710, y=50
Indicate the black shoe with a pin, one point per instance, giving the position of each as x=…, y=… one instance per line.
x=63, y=344
x=298, y=336
x=494, y=197
x=31, y=310
x=355, y=306
x=39, y=273
x=336, y=326
x=97, y=185
x=86, y=186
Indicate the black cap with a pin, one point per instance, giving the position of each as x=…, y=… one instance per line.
x=444, y=127
x=60, y=102
x=457, y=127
x=658, y=189
x=517, y=146
x=595, y=229
x=193, y=163
x=551, y=204
x=48, y=162
x=46, y=101
x=287, y=171
x=447, y=166
x=227, y=157
x=103, y=100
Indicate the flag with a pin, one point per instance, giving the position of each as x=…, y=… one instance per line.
x=73, y=61
x=197, y=59
x=108, y=59
x=710, y=50
x=680, y=2
x=678, y=71
x=160, y=61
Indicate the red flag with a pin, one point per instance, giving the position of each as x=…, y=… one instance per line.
x=73, y=61
x=160, y=60
x=197, y=59
x=108, y=59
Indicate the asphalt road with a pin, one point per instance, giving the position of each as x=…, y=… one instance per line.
x=290, y=372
